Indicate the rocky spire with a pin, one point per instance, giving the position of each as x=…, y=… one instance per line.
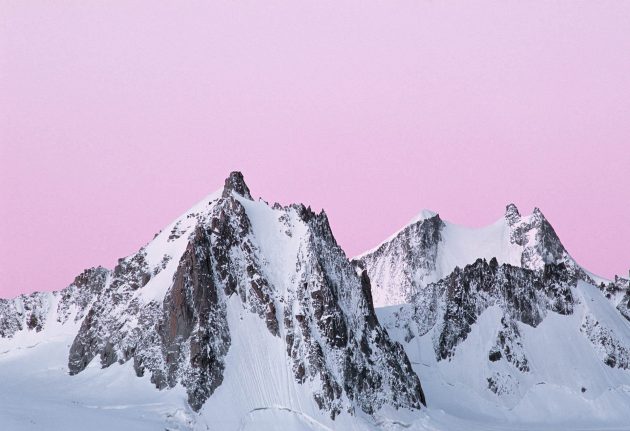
x=511, y=214
x=538, y=215
x=236, y=183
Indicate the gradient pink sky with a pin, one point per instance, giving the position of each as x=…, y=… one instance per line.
x=118, y=116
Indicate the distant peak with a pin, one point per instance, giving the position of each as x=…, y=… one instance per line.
x=236, y=183
x=512, y=209
x=511, y=213
x=425, y=214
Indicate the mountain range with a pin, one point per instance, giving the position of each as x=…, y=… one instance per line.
x=242, y=315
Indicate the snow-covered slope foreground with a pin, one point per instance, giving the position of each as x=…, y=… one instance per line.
x=503, y=326
x=36, y=392
x=238, y=312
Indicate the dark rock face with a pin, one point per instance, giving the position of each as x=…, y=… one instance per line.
x=25, y=312
x=545, y=247
x=84, y=348
x=512, y=214
x=194, y=324
x=409, y=258
x=508, y=346
x=236, y=183
x=184, y=338
x=494, y=355
x=370, y=367
x=13, y=319
x=131, y=273
x=613, y=351
x=618, y=291
x=30, y=311
x=524, y=296
x=624, y=305
x=85, y=288
x=106, y=331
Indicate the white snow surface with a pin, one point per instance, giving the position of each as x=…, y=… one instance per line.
x=463, y=245
x=37, y=393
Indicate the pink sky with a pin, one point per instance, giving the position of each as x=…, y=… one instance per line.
x=118, y=116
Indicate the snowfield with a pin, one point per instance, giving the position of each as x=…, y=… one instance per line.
x=37, y=393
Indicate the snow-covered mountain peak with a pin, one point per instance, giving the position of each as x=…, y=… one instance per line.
x=534, y=220
x=235, y=289
x=428, y=249
x=428, y=216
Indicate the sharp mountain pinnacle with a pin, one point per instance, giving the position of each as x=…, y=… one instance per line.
x=236, y=183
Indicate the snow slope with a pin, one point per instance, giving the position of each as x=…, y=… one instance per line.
x=37, y=393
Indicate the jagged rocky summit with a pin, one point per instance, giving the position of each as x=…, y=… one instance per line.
x=225, y=269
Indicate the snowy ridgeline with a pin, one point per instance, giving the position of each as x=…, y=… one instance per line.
x=240, y=315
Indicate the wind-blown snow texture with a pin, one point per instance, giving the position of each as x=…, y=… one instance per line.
x=241, y=315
